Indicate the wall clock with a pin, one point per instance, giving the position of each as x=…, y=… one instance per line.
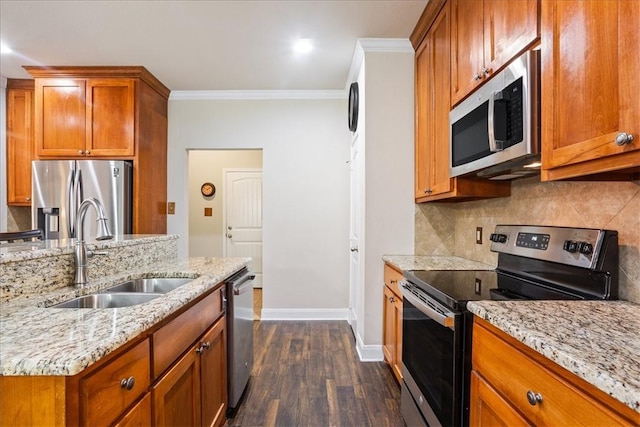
x=354, y=101
x=208, y=189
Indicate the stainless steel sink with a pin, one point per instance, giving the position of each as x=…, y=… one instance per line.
x=160, y=285
x=108, y=300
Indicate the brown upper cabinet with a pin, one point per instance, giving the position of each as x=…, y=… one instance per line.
x=432, y=145
x=85, y=117
x=590, y=89
x=485, y=36
x=108, y=112
x=20, y=142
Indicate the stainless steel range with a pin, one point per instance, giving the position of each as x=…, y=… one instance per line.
x=534, y=263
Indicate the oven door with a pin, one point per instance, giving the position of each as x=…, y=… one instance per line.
x=432, y=358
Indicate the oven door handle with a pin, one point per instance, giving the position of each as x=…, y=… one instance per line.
x=447, y=320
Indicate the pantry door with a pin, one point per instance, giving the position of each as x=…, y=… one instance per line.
x=242, y=220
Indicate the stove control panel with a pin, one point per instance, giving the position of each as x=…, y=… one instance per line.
x=571, y=246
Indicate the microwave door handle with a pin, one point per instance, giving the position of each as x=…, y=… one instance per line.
x=491, y=123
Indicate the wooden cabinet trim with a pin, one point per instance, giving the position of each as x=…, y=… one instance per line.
x=100, y=72
x=429, y=14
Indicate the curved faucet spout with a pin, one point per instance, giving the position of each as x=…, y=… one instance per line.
x=104, y=233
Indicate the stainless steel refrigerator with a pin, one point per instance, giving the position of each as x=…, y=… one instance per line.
x=60, y=186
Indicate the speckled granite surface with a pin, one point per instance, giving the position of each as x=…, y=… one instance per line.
x=409, y=262
x=35, y=340
x=27, y=269
x=598, y=341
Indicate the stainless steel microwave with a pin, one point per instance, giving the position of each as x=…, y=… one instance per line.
x=497, y=128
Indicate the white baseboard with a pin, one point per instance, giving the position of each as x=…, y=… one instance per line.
x=304, y=314
x=368, y=353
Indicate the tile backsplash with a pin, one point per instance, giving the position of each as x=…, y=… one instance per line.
x=450, y=229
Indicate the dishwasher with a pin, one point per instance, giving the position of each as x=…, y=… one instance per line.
x=239, y=291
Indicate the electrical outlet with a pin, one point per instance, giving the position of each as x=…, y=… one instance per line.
x=478, y=286
x=171, y=208
x=479, y=235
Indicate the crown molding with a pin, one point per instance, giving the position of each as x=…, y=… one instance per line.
x=375, y=45
x=256, y=94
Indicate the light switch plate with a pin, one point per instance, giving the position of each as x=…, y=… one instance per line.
x=171, y=208
x=479, y=235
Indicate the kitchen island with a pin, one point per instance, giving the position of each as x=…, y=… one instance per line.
x=595, y=341
x=82, y=366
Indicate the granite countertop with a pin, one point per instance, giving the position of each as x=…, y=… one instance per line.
x=35, y=340
x=413, y=262
x=20, y=251
x=599, y=341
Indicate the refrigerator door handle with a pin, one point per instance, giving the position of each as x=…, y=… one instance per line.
x=79, y=192
x=71, y=202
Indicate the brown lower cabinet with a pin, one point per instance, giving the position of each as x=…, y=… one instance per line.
x=392, y=320
x=193, y=391
x=511, y=384
x=156, y=377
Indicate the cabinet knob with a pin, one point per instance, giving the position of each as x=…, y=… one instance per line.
x=486, y=71
x=624, y=138
x=393, y=281
x=206, y=345
x=354, y=249
x=534, y=398
x=80, y=152
x=127, y=383
x=27, y=199
x=477, y=77
x=87, y=152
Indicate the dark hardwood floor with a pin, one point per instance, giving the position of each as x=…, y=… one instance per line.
x=308, y=374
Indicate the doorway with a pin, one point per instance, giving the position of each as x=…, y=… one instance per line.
x=207, y=230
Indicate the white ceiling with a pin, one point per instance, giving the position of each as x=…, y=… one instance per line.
x=203, y=45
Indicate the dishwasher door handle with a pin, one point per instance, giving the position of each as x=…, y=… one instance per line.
x=244, y=285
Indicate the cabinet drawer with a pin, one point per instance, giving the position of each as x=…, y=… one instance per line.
x=170, y=341
x=392, y=278
x=103, y=398
x=513, y=373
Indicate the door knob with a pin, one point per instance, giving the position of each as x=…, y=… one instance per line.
x=229, y=228
x=229, y=236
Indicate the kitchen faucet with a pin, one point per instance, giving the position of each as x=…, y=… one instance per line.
x=81, y=252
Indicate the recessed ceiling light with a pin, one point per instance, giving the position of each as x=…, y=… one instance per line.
x=5, y=49
x=303, y=46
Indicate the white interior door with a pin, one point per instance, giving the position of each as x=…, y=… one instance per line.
x=243, y=217
x=354, y=233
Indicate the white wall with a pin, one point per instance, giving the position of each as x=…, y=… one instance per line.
x=205, y=232
x=389, y=210
x=305, y=192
